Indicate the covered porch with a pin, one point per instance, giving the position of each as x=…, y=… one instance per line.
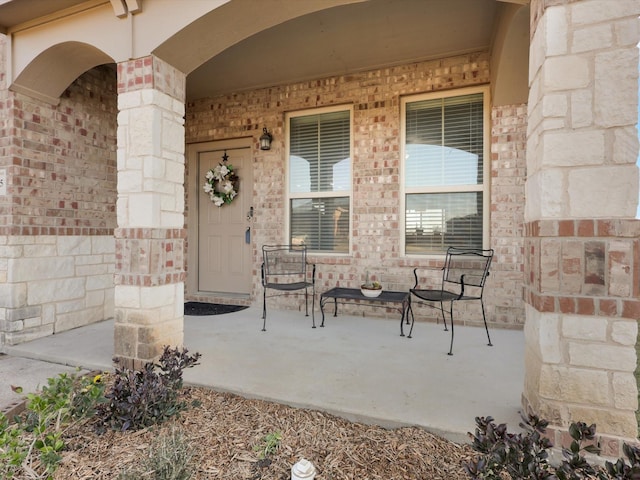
x=356, y=367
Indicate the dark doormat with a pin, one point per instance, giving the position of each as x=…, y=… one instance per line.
x=201, y=308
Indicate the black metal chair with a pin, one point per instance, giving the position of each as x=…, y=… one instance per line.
x=463, y=278
x=285, y=269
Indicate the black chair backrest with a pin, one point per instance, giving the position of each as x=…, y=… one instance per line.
x=284, y=259
x=472, y=263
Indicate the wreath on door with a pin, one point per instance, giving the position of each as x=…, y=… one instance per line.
x=221, y=183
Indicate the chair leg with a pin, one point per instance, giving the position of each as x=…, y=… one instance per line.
x=313, y=307
x=444, y=319
x=264, y=310
x=451, y=318
x=306, y=302
x=485, y=324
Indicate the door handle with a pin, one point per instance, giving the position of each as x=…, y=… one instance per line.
x=247, y=236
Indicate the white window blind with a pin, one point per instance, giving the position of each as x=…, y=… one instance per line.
x=443, y=173
x=320, y=180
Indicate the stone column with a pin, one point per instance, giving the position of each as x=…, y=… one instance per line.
x=149, y=279
x=582, y=260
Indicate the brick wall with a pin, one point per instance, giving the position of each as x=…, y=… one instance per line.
x=61, y=165
x=57, y=252
x=508, y=173
x=376, y=234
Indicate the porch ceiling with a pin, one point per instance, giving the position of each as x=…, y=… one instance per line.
x=348, y=39
x=221, y=54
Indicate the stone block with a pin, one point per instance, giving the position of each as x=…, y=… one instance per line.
x=11, y=251
x=155, y=167
x=30, y=269
x=587, y=187
x=88, y=260
x=100, y=282
x=554, y=105
x=20, y=240
x=584, y=328
x=625, y=391
x=126, y=101
x=48, y=314
x=34, y=251
x=92, y=271
x=70, y=320
x=167, y=332
x=173, y=135
x=74, y=245
x=602, y=356
x=32, y=322
x=542, y=334
x=153, y=297
x=172, y=219
x=625, y=146
x=612, y=107
x=125, y=340
x=144, y=210
x=127, y=297
x=624, y=332
x=581, y=108
x=45, y=291
x=13, y=295
x=70, y=306
x=573, y=149
x=573, y=385
x=567, y=72
x=537, y=54
x=23, y=336
x=130, y=181
x=608, y=421
x=95, y=298
x=546, y=194
x=602, y=11
x=14, y=314
x=103, y=244
x=592, y=37
x=627, y=31
x=11, y=326
x=556, y=31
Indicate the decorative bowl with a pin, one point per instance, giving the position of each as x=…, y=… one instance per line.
x=371, y=292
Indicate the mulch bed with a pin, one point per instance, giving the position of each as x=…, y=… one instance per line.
x=224, y=429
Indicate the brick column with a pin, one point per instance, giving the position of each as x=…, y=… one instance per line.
x=149, y=292
x=582, y=263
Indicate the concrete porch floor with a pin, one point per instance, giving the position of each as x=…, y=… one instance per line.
x=359, y=368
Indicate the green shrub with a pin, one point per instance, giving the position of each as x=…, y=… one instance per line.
x=525, y=455
x=169, y=459
x=32, y=445
x=139, y=399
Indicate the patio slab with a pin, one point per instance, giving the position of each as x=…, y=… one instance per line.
x=357, y=367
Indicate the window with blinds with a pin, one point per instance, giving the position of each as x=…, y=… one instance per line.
x=444, y=180
x=319, y=171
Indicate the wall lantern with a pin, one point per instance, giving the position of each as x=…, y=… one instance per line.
x=265, y=140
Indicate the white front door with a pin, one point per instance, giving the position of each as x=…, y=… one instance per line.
x=224, y=241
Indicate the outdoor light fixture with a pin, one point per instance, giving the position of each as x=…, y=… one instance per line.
x=265, y=140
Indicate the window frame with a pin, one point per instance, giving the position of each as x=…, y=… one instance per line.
x=486, y=166
x=314, y=195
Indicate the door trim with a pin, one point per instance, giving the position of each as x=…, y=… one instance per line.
x=192, y=192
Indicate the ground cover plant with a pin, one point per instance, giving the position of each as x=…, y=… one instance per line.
x=31, y=445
